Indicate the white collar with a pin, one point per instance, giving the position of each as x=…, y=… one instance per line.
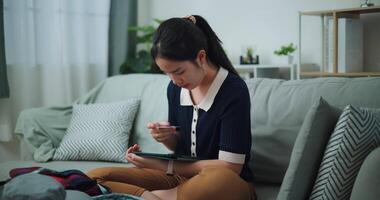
x=208, y=100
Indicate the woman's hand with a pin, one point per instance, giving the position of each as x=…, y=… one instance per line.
x=142, y=162
x=132, y=149
x=163, y=132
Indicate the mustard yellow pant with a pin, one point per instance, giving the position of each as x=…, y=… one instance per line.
x=210, y=183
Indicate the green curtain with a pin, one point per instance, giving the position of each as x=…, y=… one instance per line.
x=121, y=43
x=4, y=87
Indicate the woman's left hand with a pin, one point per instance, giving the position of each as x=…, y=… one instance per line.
x=142, y=162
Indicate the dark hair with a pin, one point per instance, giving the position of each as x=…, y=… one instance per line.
x=180, y=39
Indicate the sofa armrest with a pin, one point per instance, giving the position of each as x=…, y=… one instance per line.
x=41, y=130
x=367, y=182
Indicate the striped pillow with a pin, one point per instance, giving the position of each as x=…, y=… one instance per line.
x=98, y=132
x=356, y=134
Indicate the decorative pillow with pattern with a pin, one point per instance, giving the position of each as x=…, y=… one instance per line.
x=356, y=134
x=98, y=132
x=308, y=150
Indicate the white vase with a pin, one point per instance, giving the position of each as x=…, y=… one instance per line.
x=284, y=60
x=280, y=60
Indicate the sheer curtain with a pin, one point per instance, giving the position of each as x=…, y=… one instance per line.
x=4, y=87
x=56, y=50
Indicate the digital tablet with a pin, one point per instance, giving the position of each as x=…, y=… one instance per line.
x=169, y=156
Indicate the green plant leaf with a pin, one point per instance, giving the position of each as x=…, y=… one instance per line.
x=141, y=62
x=144, y=29
x=285, y=50
x=158, y=21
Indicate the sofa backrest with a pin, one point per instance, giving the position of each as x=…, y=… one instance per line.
x=151, y=90
x=278, y=108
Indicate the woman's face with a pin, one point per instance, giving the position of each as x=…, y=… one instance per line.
x=185, y=74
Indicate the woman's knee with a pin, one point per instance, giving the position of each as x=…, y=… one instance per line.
x=220, y=173
x=99, y=173
x=212, y=182
x=230, y=182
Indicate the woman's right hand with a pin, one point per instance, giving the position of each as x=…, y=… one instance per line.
x=162, y=132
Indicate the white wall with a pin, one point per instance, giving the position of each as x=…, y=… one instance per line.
x=266, y=25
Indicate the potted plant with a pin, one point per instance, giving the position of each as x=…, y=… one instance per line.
x=141, y=61
x=286, y=51
x=249, y=58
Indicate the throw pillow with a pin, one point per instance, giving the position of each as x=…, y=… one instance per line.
x=356, y=134
x=308, y=150
x=98, y=132
x=367, y=182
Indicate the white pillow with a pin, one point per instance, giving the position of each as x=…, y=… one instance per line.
x=356, y=134
x=98, y=132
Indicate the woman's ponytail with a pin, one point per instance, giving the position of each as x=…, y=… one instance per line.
x=215, y=52
x=183, y=38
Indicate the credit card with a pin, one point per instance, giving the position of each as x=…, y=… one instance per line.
x=177, y=128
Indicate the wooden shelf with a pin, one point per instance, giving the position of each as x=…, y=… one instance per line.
x=350, y=74
x=335, y=14
x=246, y=69
x=372, y=9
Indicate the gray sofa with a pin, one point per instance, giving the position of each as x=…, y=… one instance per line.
x=277, y=113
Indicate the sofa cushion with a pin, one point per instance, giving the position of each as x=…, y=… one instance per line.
x=368, y=180
x=278, y=109
x=356, y=134
x=308, y=150
x=151, y=90
x=98, y=132
x=267, y=191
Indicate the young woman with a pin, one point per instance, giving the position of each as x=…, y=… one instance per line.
x=211, y=105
